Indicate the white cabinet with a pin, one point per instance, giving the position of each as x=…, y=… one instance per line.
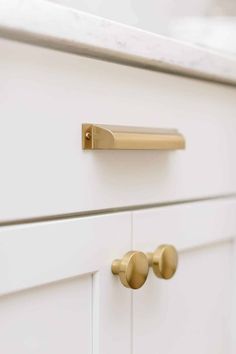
x=58, y=293
x=192, y=312
x=67, y=213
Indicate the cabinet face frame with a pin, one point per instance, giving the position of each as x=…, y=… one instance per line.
x=60, y=258
x=200, y=231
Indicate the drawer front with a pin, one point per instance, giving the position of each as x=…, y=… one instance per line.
x=47, y=95
x=194, y=312
x=57, y=292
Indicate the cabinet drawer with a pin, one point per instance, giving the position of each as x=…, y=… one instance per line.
x=46, y=96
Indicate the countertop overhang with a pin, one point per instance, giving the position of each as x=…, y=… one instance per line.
x=54, y=26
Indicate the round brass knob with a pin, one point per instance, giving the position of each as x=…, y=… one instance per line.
x=164, y=261
x=132, y=269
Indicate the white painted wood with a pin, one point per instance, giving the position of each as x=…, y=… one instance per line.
x=51, y=25
x=186, y=225
x=47, y=95
x=192, y=313
x=57, y=286
x=55, y=318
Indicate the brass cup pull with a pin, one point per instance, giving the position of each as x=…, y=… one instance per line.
x=114, y=137
x=164, y=261
x=132, y=269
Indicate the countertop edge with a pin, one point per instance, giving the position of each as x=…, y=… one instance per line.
x=54, y=26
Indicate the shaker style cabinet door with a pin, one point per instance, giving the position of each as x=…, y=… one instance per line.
x=58, y=294
x=193, y=312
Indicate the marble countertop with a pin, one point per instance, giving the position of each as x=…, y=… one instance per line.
x=47, y=24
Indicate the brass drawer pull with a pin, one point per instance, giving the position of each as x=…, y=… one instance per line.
x=109, y=137
x=164, y=261
x=132, y=269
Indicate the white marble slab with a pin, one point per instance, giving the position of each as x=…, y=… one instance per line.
x=47, y=24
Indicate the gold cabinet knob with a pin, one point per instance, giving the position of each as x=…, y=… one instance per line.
x=164, y=261
x=132, y=269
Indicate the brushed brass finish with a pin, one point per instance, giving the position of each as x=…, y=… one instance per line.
x=132, y=269
x=109, y=137
x=164, y=261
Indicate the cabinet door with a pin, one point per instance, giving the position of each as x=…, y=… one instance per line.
x=194, y=311
x=58, y=294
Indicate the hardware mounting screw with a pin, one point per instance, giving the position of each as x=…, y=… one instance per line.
x=87, y=135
